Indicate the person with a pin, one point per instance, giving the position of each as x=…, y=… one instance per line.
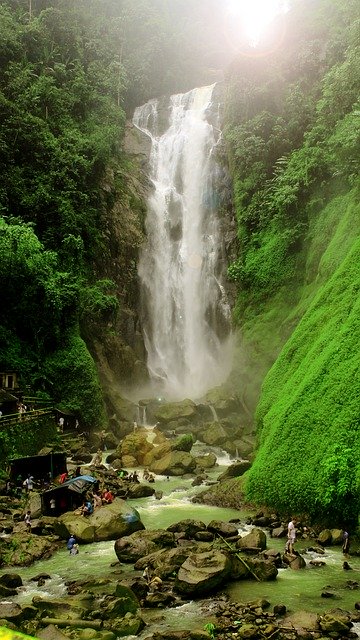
x=147, y=574
x=97, y=501
x=346, y=542
x=63, y=477
x=70, y=543
x=289, y=548
x=87, y=509
x=74, y=549
x=107, y=497
x=52, y=506
x=29, y=483
x=61, y=424
x=155, y=584
x=27, y=520
x=77, y=471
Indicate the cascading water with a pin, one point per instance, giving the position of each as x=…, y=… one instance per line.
x=185, y=315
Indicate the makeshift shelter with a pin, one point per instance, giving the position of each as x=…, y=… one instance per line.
x=8, y=403
x=38, y=466
x=67, y=496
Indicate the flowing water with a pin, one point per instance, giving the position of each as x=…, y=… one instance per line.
x=296, y=589
x=185, y=314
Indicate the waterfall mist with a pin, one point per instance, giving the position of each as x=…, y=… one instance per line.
x=185, y=316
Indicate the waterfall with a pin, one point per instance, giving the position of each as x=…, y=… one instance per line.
x=184, y=312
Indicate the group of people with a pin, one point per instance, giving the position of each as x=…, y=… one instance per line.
x=291, y=539
x=72, y=545
x=148, y=476
x=94, y=500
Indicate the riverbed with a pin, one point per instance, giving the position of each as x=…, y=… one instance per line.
x=298, y=590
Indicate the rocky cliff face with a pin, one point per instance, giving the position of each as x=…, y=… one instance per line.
x=116, y=343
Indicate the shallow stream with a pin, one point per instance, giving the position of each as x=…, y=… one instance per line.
x=298, y=590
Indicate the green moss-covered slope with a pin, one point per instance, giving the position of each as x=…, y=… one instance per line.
x=309, y=412
x=293, y=131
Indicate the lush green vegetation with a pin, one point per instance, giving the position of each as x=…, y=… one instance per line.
x=294, y=140
x=71, y=220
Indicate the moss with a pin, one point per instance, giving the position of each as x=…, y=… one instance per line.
x=308, y=415
x=77, y=386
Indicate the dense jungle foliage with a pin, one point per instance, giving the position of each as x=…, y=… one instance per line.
x=293, y=129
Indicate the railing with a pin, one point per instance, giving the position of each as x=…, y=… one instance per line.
x=15, y=418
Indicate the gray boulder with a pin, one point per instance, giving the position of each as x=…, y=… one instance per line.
x=202, y=573
x=109, y=522
x=174, y=463
x=188, y=527
x=256, y=539
x=235, y=470
x=142, y=543
x=225, y=529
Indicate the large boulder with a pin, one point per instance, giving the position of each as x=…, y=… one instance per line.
x=263, y=569
x=189, y=528
x=108, y=522
x=174, y=463
x=142, y=543
x=224, y=529
x=22, y=548
x=156, y=453
x=206, y=461
x=325, y=537
x=136, y=445
x=202, y=573
x=235, y=470
x=214, y=434
x=175, y=411
x=223, y=403
x=166, y=561
x=33, y=504
x=183, y=443
x=256, y=539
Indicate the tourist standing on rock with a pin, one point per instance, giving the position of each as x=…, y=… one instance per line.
x=27, y=520
x=346, y=542
x=289, y=548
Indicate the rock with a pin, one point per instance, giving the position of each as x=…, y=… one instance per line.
x=294, y=562
x=202, y=573
x=214, y=434
x=33, y=504
x=337, y=536
x=279, y=609
x=174, y=463
x=235, y=470
x=325, y=537
x=183, y=443
x=6, y=592
x=334, y=623
x=158, y=495
x=255, y=539
x=246, y=631
x=175, y=411
x=129, y=625
x=26, y=549
x=51, y=633
x=108, y=522
x=11, y=611
x=142, y=543
x=40, y=576
x=135, y=491
x=135, y=445
x=11, y=580
x=225, y=529
x=159, y=599
x=279, y=532
x=302, y=620
x=317, y=563
x=328, y=594
x=265, y=570
x=206, y=461
x=188, y=527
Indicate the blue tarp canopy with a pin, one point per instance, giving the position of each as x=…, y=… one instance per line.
x=79, y=484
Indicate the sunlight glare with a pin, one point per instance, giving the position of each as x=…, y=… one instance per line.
x=255, y=15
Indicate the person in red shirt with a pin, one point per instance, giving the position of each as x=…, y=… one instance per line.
x=107, y=497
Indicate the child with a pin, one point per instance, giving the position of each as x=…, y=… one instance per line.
x=27, y=520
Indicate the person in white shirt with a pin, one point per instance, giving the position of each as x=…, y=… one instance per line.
x=289, y=548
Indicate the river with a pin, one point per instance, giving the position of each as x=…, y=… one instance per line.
x=298, y=590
